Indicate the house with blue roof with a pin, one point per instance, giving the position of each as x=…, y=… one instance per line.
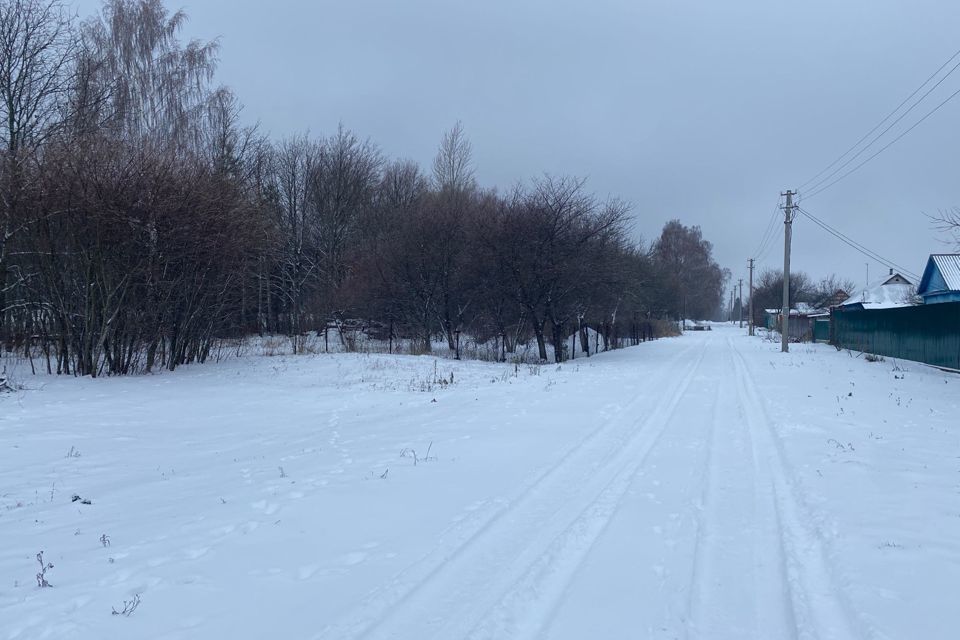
x=941, y=279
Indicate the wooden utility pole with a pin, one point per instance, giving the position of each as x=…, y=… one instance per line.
x=741, y=303
x=785, y=308
x=750, y=319
x=731, y=304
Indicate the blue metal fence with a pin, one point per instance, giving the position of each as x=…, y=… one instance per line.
x=927, y=333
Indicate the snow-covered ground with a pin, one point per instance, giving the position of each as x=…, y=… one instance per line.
x=705, y=486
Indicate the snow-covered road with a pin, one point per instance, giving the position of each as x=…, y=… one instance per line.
x=700, y=487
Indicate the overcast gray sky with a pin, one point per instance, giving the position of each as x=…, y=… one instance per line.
x=702, y=111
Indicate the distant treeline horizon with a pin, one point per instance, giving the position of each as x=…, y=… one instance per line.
x=141, y=222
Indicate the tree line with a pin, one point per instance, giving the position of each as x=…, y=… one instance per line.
x=768, y=292
x=141, y=221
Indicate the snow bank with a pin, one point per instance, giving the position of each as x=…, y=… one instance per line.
x=703, y=486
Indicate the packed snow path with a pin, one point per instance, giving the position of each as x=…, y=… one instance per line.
x=700, y=487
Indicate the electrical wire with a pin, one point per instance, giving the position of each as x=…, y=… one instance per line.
x=856, y=245
x=768, y=232
x=884, y=147
x=766, y=252
x=887, y=117
x=821, y=184
x=873, y=255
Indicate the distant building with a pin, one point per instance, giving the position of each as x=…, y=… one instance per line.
x=803, y=309
x=802, y=318
x=771, y=318
x=801, y=321
x=819, y=317
x=941, y=279
x=837, y=298
x=892, y=290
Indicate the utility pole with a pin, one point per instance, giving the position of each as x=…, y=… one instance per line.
x=731, y=305
x=741, y=303
x=750, y=319
x=785, y=308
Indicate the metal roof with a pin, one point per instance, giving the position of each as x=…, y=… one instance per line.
x=880, y=295
x=949, y=266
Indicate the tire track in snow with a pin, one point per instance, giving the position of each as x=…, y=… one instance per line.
x=446, y=592
x=702, y=573
x=739, y=585
x=819, y=608
x=526, y=608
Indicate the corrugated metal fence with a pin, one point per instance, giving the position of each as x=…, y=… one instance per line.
x=800, y=329
x=821, y=330
x=926, y=333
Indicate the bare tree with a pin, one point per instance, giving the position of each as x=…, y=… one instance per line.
x=340, y=196
x=829, y=287
x=294, y=163
x=453, y=165
x=143, y=223
x=691, y=281
x=948, y=222
x=36, y=55
x=553, y=238
x=768, y=291
x=158, y=89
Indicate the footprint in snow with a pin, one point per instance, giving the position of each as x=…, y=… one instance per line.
x=307, y=571
x=268, y=508
x=199, y=552
x=353, y=558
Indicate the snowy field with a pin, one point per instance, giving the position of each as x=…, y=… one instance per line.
x=705, y=486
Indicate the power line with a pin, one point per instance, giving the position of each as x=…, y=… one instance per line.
x=873, y=255
x=768, y=233
x=886, y=146
x=762, y=256
x=817, y=186
x=887, y=117
x=776, y=232
x=820, y=182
